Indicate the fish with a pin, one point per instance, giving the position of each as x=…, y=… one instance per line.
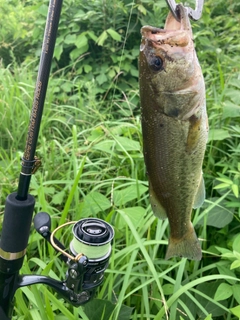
x=174, y=128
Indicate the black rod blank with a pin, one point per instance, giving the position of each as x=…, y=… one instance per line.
x=49, y=40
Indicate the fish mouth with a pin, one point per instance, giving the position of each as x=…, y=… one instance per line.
x=183, y=23
x=175, y=33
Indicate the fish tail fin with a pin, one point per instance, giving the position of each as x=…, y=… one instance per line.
x=187, y=247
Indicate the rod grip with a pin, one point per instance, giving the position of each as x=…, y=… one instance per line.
x=16, y=226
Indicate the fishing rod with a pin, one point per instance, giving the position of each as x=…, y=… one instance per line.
x=90, y=248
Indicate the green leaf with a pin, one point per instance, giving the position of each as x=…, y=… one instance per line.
x=236, y=254
x=101, y=39
x=77, y=52
x=58, y=304
x=229, y=255
x=235, y=264
x=134, y=213
x=58, y=197
x=81, y=41
x=236, y=311
x=67, y=87
x=98, y=309
x=58, y=51
x=101, y=78
x=224, y=291
x=235, y=190
x=218, y=216
x=120, y=143
x=70, y=39
x=142, y=9
x=225, y=180
x=236, y=243
x=22, y=304
x=87, y=68
x=209, y=289
x=35, y=314
x=218, y=134
x=134, y=72
x=121, y=197
x=168, y=288
x=112, y=73
x=230, y=110
x=221, y=186
x=226, y=271
x=92, y=35
x=96, y=133
x=43, y=10
x=49, y=309
x=105, y=146
x=94, y=203
x=236, y=292
x=116, y=36
x=209, y=317
x=127, y=144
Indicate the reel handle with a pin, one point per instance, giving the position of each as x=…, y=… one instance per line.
x=42, y=224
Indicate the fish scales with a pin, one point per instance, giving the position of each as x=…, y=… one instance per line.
x=174, y=127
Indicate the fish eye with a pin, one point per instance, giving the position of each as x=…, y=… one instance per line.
x=156, y=63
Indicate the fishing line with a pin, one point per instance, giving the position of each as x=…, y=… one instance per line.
x=123, y=48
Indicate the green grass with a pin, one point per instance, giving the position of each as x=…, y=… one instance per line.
x=91, y=150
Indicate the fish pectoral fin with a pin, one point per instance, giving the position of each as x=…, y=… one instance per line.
x=157, y=207
x=200, y=195
x=194, y=133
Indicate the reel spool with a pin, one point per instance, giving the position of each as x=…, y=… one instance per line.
x=92, y=237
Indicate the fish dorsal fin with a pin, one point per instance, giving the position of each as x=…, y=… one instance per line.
x=157, y=207
x=200, y=195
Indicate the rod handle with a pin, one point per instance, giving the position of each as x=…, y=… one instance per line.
x=16, y=227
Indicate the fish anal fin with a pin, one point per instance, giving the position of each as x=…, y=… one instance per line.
x=200, y=195
x=157, y=207
x=186, y=247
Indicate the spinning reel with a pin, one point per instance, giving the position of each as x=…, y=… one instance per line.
x=87, y=260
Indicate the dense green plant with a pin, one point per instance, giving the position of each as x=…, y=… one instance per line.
x=100, y=40
x=90, y=144
x=16, y=25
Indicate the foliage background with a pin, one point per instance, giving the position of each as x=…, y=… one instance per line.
x=91, y=148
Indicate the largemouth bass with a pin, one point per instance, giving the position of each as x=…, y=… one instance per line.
x=174, y=128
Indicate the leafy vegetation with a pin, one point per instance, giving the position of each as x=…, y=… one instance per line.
x=91, y=149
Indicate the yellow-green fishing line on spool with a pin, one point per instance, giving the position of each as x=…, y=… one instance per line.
x=91, y=251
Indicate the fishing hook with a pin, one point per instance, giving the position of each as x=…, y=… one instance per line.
x=194, y=14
